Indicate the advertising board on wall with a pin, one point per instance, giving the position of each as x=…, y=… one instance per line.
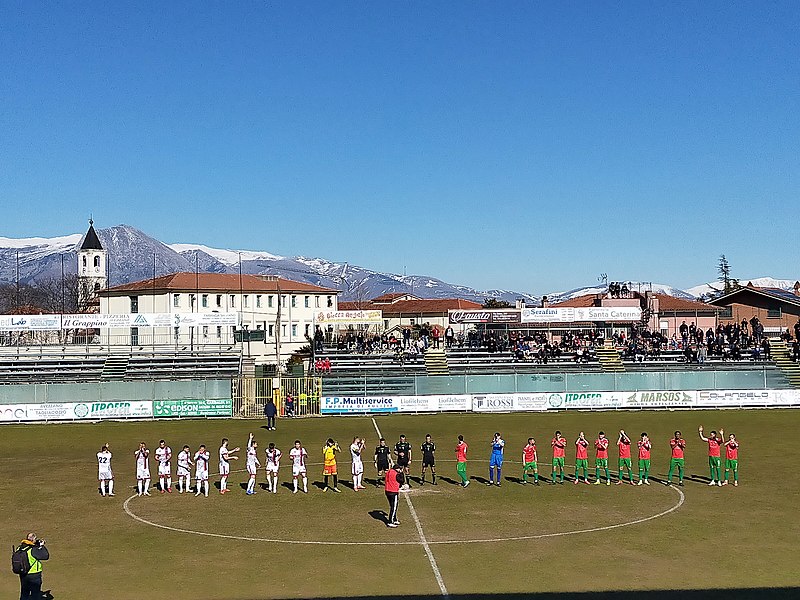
x=222, y=407
x=113, y=321
x=70, y=411
x=348, y=317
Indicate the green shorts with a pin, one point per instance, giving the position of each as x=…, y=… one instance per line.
x=714, y=461
x=644, y=464
x=625, y=462
x=581, y=463
x=732, y=463
x=558, y=461
x=601, y=463
x=529, y=465
x=676, y=462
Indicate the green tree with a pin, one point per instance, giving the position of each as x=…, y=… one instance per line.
x=729, y=283
x=495, y=303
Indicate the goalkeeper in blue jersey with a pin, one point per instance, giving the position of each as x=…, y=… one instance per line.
x=496, y=460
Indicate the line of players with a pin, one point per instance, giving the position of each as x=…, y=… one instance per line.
x=402, y=453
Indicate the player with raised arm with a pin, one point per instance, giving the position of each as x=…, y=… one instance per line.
x=402, y=450
x=582, y=458
x=252, y=464
x=329, y=452
x=201, y=459
x=461, y=460
x=185, y=470
x=428, y=449
x=601, y=458
x=714, y=460
x=164, y=458
x=299, y=457
x=496, y=459
x=559, y=445
x=383, y=460
x=644, y=459
x=676, y=462
x=731, y=459
x=104, y=473
x=272, y=467
x=624, y=446
x=529, y=462
x=356, y=464
x=225, y=458
x=142, y=469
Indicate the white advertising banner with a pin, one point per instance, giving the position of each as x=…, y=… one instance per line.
x=581, y=314
x=69, y=411
x=337, y=405
x=439, y=403
x=709, y=398
x=98, y=321
x=510, y=402
x=348, y=317
x=660, y=399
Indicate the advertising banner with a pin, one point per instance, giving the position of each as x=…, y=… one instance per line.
x=434, y=403
x=709, y=398
x=69, y=411
x=496, y=315
x=124, y=321
x=222, y=407
x=581, y=314
x=348, y=317
x=660, y=399
x=335, y=405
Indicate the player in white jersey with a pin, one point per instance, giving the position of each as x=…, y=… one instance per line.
x=357, y=468
x=164, y=458
x=225, y=456
x=104, y=474
x=299, y=457
x=272, y=466
x=184, y=470
x=201, y=458
x=142, y=469
x=252, y=464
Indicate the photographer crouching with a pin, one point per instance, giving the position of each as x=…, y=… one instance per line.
x=30, y=574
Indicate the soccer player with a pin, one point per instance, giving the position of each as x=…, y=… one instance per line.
x=678, y=445
x=402, y=450
x=225, y=457
x=461, y=460
x=714, y=460
x=582, y=458
x=104, y=474
x=394, y=480
x=601, y=458
x=496, y=459
x=624, y=446
x=357, y=465
x=559, y=445
x=382, y=459
x=329, y=451
x=184, y=470
x=731, y=460
x=299, y=456
x=142, y=469
x=252, y=464
x=201, y=458
x=644, y=459
x=274, y=463
x=428, y=459
x=164, y=458
x=529, y=462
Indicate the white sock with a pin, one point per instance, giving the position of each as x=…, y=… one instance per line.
x=146, y=486
x=223, y=483
x=269, y=482
x=275, y=484
x=305, y=483
x=199, y=486
x=103, y=488
x=169, y=483
x=205, y=487
x=139, y=486
x=295, y=484
x=110, y=486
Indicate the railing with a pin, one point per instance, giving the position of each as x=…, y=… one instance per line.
x=251, y=394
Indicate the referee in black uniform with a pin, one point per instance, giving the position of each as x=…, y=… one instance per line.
x=402, y=450
x=428, y=459
x=382, y=460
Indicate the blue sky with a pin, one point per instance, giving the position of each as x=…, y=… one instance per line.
x=527, y=146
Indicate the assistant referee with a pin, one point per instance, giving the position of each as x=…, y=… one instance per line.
x=394, y=479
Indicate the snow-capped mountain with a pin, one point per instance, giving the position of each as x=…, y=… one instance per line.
x=714, y=287
x=656, y=288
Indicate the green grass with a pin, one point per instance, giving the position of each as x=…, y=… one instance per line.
x=745, y=537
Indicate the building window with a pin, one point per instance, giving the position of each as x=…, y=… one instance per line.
x=330, y=301
x=294, y=330
x=219, y=300
x=176, y=300
x=192, y=300
x=306, y=302
x=316, y=301
x=204, y=300
x=726, y=312
x=134, y=336
x=413, y=322
x=84, y=262
x=258, y=300
x=308, y=330
x=177, y=331
x=219, y=331
x=233, y=301
x=246, y=301
x=271, y=331
x=205, y=331
x=774, y=312
x=294, y=301
x=96, y=287
x=283, y=330
x=283, y=301
x=96, y=262
x=269, y=301
x=134, y=304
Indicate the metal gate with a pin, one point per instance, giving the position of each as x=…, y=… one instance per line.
x=250, y=394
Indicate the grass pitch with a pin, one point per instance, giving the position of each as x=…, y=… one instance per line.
x=483, y=540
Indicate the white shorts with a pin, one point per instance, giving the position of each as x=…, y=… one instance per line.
x=164, y=470
x=142, y=473
x=272, y=468
x=201, y=475
x=105, y=475
x=183, y=472
x=224, y=468
x=252, y=470
x=358, y=467
x=298, y=470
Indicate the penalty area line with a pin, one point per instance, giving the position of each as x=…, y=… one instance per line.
x=423, y=540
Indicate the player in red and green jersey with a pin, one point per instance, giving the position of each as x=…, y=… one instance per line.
x=644, y=459
x=601, y=458
x=624, y=446
x=461, y=461
x=714, y=459
x=732, y=459
x=529, y=462
x=559, y=445
x=677, y=444
x=582, y=458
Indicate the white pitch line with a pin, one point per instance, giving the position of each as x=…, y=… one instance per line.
x=421, y=533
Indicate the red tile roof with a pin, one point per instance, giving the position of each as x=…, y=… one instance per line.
x=389, y=297
x=216, y=282
x=421, y=306
x=577, y=302
x=671, y=303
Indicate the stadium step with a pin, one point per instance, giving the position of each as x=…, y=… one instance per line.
x=609, y=359
x=115, y=367
x=436, y=362
x=783, y=360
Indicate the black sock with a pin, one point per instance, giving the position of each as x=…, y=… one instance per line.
x=335, y=481
x=326, y=481
x=433, y=477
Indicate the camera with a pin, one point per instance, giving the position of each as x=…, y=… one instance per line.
x=40, y=542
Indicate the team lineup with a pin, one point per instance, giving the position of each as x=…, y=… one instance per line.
x=399, y=460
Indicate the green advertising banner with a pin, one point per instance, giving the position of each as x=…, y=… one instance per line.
x=221, y=407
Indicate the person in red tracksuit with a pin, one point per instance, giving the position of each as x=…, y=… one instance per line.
x=394, y=479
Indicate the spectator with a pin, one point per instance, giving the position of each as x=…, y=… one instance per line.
x=270, y=412
x=288, y=406
x=31, y=582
